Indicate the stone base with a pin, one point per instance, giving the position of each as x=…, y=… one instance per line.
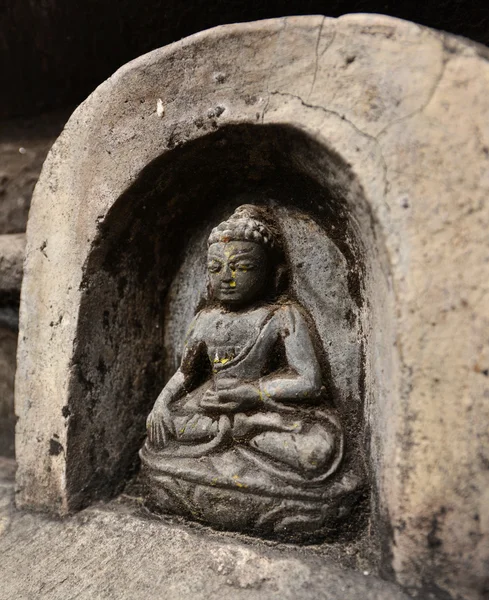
x=299, y=521
x=113, y=552
x=227, y=490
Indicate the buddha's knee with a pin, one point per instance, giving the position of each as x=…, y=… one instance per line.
x=197, y=427
x=310, y=451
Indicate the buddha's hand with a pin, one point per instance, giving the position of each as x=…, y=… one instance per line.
x=231, y=396
x=159, y=424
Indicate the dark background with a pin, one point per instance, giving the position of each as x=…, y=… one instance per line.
x=53, y=53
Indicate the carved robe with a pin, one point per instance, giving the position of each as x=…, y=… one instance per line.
x=286, y=434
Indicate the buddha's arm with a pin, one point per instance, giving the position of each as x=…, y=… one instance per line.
x=173, y=389
x=182, y=380
x=303, y=377
x=160, y=422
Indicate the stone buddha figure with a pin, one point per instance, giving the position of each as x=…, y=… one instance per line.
x=244, y=436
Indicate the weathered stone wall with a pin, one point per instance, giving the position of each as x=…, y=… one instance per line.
x=24, y=144
x=11, y=259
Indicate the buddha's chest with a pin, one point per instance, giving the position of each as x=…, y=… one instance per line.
x=228, y=334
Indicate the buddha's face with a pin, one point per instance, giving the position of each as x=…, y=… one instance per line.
x=238, y=272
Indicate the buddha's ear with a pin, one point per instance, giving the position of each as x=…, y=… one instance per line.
x=208, y=291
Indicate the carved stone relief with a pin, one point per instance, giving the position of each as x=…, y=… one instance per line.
x=246, y=435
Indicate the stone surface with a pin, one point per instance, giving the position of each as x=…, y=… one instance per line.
x=390, y=120
x=24, y=144
x=114, y=552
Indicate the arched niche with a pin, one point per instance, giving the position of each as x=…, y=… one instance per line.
x=145, y=277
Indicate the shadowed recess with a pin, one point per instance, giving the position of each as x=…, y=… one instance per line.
x=120, y=360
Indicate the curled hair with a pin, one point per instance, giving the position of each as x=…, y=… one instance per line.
x=244, y=225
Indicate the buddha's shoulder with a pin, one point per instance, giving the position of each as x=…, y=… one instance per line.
x=291, y=314
x=205, y=316
x=198, y=324
x=209, y=315
x=289, y=311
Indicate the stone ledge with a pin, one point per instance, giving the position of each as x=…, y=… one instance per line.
x=12, y=247
x=108, y=552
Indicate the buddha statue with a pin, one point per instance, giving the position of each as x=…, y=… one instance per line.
x=244, y=436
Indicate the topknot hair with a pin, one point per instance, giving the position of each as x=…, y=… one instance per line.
x=244, y=225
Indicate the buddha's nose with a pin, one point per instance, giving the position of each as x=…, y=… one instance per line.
x=227, y=274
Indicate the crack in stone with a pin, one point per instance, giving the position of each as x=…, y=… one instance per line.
x=272, y=66
x=333, y=37
x=424, y=106
x=375, y=139
x=316, y=65
x=343, y=118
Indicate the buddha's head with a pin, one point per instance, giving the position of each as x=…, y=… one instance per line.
x=242, y=258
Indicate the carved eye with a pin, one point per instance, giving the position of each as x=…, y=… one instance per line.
x=214, y=267
x=245, y=267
